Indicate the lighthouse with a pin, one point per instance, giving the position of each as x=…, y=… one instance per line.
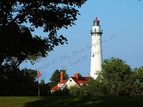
x=96, y=49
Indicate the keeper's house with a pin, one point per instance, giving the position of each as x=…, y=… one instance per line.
x=76, y=80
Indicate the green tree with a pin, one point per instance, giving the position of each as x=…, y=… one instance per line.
x=74, y=91
x=79, y=75
x=65, y=74
x=44, y=88
x=116, y=76
x=55, y=78
x=19, y=18
x=18, y=82
x=95, y=87
x=137, y=78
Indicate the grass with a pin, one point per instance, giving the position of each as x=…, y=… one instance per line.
x=70, y=101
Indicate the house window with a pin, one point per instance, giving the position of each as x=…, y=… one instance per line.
x=70, y=80
x=60, y=85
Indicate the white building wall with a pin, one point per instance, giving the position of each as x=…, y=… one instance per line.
x=69, y=84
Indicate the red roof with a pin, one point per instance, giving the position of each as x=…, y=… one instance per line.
x=56, y=86
x=81, y=80
x=96, y=20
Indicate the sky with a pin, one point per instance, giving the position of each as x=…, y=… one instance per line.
x=122, y=24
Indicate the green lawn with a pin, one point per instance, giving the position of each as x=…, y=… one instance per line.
x=68, y=101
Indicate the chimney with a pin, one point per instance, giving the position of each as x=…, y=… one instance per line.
x=61, y=76
x=76, y=75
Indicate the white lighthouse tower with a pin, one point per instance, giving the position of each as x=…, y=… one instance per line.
x=96, y=49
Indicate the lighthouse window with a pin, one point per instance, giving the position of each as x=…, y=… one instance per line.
x=95, y=30
x=93, y=55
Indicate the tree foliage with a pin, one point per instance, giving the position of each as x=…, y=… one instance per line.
x=137, y=78
x=18, y=82
x=44, y=88
x=19, y=18
x=116, y=74
x=74, y=91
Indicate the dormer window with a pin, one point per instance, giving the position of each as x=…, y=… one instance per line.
x=60, y=85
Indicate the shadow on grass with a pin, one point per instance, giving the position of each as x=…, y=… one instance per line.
x=86, y=101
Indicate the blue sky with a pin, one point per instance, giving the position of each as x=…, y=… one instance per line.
x=122, y=24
